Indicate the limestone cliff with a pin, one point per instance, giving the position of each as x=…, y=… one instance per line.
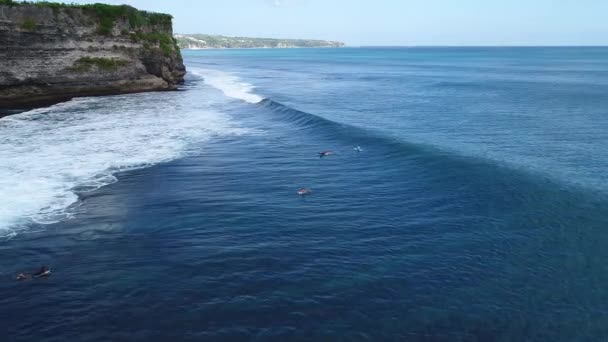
x=52, y=52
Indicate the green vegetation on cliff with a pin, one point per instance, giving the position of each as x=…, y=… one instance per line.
x=107, y=14
x=165, y=42
x=104, y=64
x=201, y=41
x=28, y=24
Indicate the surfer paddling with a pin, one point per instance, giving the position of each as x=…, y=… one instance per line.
x=42, y=272
x=304, y=191
x=325, y=154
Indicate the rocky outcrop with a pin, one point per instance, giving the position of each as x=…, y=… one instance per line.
x=53, y=53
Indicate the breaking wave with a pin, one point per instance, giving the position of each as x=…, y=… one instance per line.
x=228, y=83
x=49, y=155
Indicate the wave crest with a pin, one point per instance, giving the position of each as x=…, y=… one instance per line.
x=228, y=83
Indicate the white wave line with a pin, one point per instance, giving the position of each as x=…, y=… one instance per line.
x=230, y=84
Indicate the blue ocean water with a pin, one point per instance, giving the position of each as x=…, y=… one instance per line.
x=476, y=210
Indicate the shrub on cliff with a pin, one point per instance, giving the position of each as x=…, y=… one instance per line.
x=108, y=15
x=165, y=42
x=104, y=64
x=28, y=24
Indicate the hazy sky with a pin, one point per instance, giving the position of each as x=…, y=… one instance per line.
x=394, y=22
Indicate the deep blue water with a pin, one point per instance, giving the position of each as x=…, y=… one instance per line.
x=477, y=210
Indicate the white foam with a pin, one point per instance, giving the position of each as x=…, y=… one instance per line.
x=230, y=84
x=47, y=155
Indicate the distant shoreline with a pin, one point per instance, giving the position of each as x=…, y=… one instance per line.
x=206, y=41
x=265, y=48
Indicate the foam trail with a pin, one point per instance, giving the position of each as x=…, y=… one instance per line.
x=50, y=154
x=228, y=83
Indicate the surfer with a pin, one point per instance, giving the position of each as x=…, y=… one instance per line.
x=325, y=154
x=304, y=191
x=42, y=272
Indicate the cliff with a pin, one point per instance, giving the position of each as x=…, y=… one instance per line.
x=52, y=52
x=204, y=41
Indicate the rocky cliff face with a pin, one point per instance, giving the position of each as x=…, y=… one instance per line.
x=53, y=53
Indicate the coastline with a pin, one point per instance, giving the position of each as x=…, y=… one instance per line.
x=194, y=41
x=268, y=48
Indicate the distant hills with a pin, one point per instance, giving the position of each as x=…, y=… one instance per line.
x=205, y=41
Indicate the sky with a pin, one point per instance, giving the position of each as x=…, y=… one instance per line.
x=393, y=22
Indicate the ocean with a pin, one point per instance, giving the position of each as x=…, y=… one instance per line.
x=475, y=210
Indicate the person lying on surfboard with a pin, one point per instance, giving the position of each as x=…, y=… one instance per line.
x=304, y=191
x=42, y=272
x=325, y=154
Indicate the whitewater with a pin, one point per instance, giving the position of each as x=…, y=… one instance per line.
x=49, y=155
x=230, y=84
